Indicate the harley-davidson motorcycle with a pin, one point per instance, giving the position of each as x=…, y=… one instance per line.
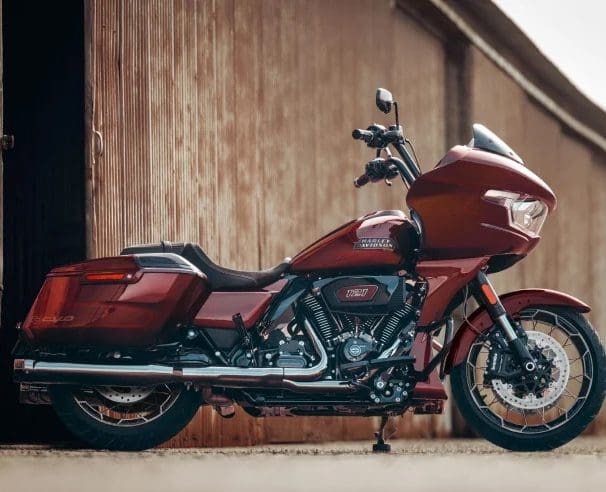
x=361, y=322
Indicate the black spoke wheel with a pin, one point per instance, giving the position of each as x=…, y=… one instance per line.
x=545, y=409
x=124, y=418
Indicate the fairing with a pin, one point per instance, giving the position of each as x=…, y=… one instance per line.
x=457, y=221
x=445, y=279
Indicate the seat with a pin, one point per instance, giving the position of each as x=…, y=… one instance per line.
x=219, y=278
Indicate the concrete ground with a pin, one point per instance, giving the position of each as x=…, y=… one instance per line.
x=453, y=465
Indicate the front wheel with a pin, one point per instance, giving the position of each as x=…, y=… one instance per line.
x=542, y=410
x=124, y=418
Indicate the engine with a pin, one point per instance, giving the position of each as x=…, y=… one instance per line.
x=359, y=319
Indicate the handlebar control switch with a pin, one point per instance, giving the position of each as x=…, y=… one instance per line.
x=376, y=169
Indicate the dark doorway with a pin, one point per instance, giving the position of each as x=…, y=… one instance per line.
x=44, y=196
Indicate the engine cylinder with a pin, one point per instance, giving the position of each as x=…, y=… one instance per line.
x=320, y=318
x=393, y=325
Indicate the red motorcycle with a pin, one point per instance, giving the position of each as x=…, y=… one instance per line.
x=127, y=348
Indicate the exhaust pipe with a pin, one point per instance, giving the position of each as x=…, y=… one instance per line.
x=295, y=379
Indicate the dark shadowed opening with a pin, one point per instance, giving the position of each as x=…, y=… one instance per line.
x=44, y=197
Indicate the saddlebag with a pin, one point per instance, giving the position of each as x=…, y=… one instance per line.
x=124, y=301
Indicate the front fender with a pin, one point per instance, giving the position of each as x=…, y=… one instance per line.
x=514, y=302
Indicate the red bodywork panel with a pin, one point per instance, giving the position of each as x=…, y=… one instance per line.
x=432, y=388
x=380, y=239
x=445, y=279
x=219, y=308
x=140, y=311
x=457, y=221
x=514, y=302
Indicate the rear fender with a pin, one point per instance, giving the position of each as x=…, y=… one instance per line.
x=514, y=302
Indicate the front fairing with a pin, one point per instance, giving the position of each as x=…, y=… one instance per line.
x=457, y=221
x=478, y=168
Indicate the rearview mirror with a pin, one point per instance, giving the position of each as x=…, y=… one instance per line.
x=384, y=100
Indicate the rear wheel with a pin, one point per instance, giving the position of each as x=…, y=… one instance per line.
x=547, y=408
x=124, y=418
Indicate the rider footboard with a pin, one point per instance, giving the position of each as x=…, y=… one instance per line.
x=126, y=301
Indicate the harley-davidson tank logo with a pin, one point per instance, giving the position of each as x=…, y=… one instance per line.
x=358, y=293
x=375, y=243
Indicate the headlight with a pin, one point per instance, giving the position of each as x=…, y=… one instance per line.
x=525, y=213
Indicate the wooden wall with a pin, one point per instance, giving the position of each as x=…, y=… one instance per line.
x=229, y=123
x=570, y=256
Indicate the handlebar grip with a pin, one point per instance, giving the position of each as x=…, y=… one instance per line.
x=361, y=180
x=365, y=135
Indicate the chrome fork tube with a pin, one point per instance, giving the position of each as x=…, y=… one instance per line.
x=487, y=297
x=504, y=323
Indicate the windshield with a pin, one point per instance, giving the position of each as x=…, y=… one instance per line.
x=484, y=139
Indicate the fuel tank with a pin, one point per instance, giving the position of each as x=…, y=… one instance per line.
x=379, y=240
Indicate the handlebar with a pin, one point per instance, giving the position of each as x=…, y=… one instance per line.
x=361, y=180
x=378, y=169
x=391, y=135
x=365, y=135
x=378, y=137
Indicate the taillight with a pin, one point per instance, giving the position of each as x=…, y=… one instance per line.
x=109, y=277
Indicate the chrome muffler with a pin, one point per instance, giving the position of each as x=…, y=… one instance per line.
x=295, y=379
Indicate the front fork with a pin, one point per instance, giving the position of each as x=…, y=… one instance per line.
x=486, y=296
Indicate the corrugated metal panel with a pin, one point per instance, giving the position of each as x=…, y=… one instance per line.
x=228, y=123
x=570, y=256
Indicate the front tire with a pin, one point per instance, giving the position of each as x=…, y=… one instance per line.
x=555, y=413
x=124, y=418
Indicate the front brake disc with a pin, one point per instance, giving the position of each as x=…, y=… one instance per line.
x=559, y=375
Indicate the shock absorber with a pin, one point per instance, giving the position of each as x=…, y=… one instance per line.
x=320, y=318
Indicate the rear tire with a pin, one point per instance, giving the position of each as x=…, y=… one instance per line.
x=479, y=419
x=87, y=423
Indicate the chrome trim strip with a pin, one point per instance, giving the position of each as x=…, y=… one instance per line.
x=318, y=386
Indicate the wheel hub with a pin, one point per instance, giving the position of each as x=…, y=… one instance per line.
x=545, y=385
x=123, y=394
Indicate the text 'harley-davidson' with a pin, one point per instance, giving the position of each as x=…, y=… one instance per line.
x=361, y=322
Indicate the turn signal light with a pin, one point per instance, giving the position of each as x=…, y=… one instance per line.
x=489, y=293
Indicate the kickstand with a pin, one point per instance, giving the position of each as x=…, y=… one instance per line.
x=381, y=446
